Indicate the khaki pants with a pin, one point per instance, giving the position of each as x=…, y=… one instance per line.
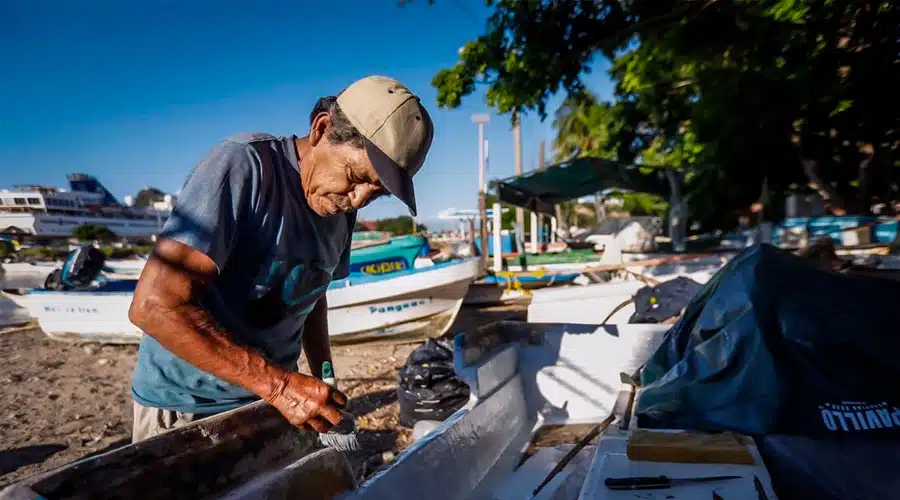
x=150, y=422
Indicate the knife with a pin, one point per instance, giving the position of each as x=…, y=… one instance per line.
x=659, y=482
x=760, y=491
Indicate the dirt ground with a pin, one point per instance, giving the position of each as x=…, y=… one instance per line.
x=60, y=402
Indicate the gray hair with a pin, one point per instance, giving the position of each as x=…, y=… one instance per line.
x=341, y=130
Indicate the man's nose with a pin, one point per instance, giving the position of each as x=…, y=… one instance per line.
x=362, y=195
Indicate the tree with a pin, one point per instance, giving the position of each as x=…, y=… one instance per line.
x=737, y=95
x=147, y=196
x=87, y=232
x=398, y=226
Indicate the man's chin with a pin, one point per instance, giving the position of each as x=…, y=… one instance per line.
x=329, y=212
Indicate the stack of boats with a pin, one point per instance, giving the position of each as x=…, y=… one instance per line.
x=551, y=414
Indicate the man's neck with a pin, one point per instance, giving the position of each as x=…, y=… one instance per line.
x=301, y=145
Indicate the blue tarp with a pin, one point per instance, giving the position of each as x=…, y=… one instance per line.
x=773, y=344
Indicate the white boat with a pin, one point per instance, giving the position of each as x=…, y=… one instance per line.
x=412, y=303
x=47, y=212
x=592, y=304
x=528, y=382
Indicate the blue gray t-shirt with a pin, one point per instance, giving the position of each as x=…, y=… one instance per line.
x=243, y=206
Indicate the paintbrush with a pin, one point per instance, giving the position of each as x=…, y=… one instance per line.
x=341, y=437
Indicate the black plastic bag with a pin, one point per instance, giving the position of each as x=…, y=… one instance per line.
x=655, y=304
x=428, y=388
x=773, y=344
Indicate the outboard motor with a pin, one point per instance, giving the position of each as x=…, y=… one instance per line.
x=81, y=268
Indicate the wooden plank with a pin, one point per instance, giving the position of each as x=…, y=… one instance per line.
x=688, y=447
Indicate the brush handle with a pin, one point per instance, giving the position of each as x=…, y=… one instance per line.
x=328, y=374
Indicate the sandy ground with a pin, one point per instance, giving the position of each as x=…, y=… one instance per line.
x=60, y=402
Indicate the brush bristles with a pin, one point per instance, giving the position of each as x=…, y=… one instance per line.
x=340, y=442
x=341, y=437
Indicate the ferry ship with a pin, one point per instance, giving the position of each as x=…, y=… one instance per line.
x=43, y=212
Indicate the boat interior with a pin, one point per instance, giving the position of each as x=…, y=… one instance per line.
x=536, y=390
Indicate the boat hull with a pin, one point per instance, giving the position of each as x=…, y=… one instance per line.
x=417, y=304
x=592, y=304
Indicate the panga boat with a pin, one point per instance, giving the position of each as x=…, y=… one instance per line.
x=409, y=303
x=384, y=257
x=508, y=286
x=535, y=391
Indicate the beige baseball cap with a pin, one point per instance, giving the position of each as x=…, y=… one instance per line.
x=396, y=128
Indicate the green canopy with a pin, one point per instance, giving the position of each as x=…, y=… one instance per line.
x=540, y=190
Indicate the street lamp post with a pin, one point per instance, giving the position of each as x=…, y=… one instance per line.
x=480, y=119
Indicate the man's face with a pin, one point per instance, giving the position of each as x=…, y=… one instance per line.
x=337, y=178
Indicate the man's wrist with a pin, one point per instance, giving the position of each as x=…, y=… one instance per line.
x=270, y=383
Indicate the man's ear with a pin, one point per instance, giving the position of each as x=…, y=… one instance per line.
x=319, y=125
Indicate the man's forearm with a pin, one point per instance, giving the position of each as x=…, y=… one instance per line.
x=191, y=333
x=315, y=338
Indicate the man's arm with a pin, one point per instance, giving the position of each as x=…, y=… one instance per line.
x=315, y=338
x=165, y=306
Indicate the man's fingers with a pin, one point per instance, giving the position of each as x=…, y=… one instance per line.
x=319, y=424
x=330, y=414
x=339, y=398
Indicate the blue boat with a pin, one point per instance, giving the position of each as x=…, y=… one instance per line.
x=373, y=259
x=396, y=254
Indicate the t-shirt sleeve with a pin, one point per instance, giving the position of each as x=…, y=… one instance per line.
x=343, y=267
x=213, y=202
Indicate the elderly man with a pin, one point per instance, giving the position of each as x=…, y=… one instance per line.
x=235, y=287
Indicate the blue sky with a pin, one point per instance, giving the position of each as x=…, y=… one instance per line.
x=136, y=92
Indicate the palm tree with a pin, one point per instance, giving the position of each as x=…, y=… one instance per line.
x=583, y=130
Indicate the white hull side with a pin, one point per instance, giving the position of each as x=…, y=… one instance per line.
x=61, y=226
x=437, y=294
x=591, y=304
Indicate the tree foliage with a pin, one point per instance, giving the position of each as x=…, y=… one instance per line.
x=398, y=226
x=88, y=232
x=147, y=196
x=738, y=95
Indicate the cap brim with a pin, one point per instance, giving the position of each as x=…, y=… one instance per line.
x=394, y=178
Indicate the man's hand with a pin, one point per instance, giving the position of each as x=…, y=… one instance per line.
x=308, y=402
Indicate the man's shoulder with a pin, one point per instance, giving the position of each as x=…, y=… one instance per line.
x=241, y=151
x=248, y=138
